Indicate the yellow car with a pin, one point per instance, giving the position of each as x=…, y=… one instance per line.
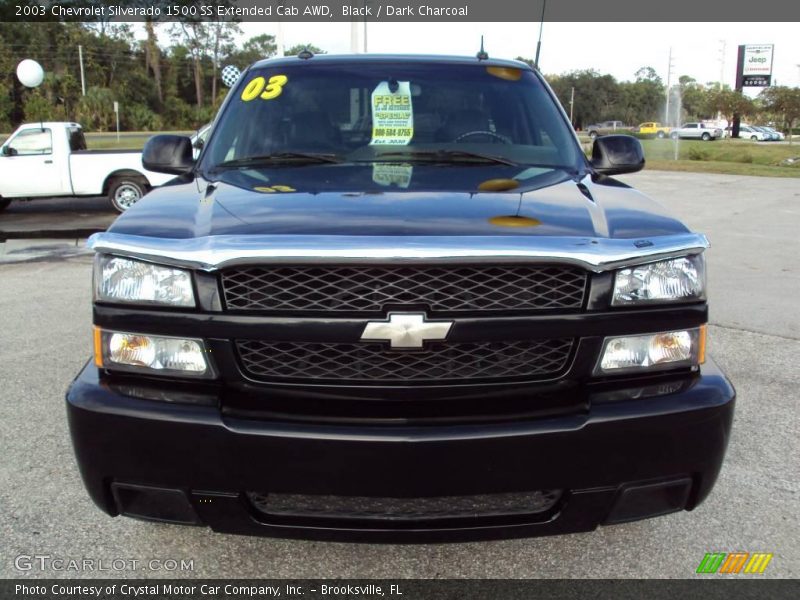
x=657, y=129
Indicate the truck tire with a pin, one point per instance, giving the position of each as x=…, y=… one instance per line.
x=674, y=135
x=4, y=204
x=592, y=134
x=706, y=137
x=661, y=135
x=124, y=192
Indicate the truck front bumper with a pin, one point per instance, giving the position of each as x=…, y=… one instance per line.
x=624, y=459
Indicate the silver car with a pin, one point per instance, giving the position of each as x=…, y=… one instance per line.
x=697, y=131
x=755, y=134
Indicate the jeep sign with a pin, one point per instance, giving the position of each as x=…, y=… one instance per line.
x=757, y=65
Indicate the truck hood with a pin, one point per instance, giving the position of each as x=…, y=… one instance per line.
x=379, y=199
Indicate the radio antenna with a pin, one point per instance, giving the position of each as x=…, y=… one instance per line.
x=482, y=55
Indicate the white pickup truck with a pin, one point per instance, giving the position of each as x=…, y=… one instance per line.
x=50, y=159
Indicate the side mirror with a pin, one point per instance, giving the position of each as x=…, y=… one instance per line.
x=9, y=151
x=615, y=154
x=168, y=154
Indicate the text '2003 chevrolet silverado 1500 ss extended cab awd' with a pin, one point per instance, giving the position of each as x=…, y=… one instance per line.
x=393, y=300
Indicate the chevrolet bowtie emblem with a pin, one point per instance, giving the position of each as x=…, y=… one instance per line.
x=406, y=330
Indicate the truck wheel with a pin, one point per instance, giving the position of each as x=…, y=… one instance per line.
x=592, y=135
x=660, y=135
x=706, y=137
x=4, y=204
x=754, y=138
x=125, y=192
x=674, y=135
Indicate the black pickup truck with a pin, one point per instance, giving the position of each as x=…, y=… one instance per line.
x=392, y=300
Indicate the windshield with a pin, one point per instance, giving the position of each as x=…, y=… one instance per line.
x=375, y=112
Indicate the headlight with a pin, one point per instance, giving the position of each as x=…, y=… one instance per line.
x=125, y=280
x=151, y=354
x=634, y=353
x=676, y=280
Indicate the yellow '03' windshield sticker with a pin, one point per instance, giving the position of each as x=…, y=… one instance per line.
x=259, y=87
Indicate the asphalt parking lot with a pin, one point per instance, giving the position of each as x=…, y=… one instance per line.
x=754, y=284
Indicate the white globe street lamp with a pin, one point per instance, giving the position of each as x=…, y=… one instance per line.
x=30, y=73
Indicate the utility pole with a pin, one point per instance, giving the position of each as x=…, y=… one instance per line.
x=366, y=3
x=571, y=105
x=539, y=43
x=116, y=113
x=669, y=78
x=354, y=37
x=279, y=40
x=83, y=78
x=721, y=71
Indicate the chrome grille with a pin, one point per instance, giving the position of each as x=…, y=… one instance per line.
x=441, y=507
x=373, y=288
x=375, y=362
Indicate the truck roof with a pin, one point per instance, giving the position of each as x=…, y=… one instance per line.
x=392, y=58
x=49, y=124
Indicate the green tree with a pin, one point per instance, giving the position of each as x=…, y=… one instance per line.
x=174, y=83
x=256, y=48
x=195, y=37
x=784, y=101
x=153, y=58
x=96, y=109
x=38, y=108
x=642, y=99
x=222, y=35
x=298, y=48
x=729, y=102
x=596, y=96
x=694, y=98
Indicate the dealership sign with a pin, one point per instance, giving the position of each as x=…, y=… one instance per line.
x=757, y=65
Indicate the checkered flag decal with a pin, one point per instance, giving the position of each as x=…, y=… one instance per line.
x=230, y=75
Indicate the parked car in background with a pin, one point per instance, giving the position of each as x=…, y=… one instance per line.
x=771, y=136
x=199, y=139
x=697, y=131
x=748, y=132
x=607, y=127
x=651, y=128
x=50, y=159
x=779, y=136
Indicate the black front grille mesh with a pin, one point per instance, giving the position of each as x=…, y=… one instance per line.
x=398, y=509
x=375, y=362
x=373, y=288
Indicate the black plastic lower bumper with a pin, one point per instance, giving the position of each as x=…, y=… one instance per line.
x=622, y=460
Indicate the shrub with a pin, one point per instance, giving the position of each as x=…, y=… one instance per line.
x=138, y=117
x=696, y=153
x=96, y=109
x=39, y=108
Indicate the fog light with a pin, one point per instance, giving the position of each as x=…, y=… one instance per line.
x=152, y=354
x=655, y=351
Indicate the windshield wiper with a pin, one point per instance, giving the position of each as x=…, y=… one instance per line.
x=451, y=154
x=279, y=157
